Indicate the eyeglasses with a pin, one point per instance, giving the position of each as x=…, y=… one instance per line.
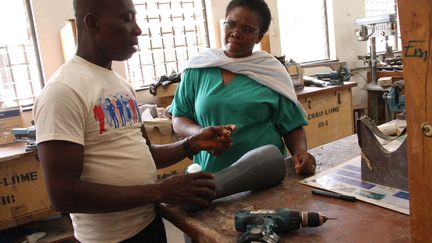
x=245, y=30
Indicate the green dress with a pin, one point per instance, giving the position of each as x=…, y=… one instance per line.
x=261, y=115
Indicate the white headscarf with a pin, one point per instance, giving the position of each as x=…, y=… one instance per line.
x=262, y=67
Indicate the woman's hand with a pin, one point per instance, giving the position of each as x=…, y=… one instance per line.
x=304, y=163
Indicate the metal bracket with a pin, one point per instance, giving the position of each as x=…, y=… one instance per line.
x=378, y=165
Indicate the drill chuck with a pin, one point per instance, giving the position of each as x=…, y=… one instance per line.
x=312, y=219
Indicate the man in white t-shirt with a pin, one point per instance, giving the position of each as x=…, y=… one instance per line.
x=98, y=163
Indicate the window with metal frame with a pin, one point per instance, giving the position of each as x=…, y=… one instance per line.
x=20, y=70
x=303, y=30
x=172, y=32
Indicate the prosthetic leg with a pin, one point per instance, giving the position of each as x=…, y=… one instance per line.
x=259, y=168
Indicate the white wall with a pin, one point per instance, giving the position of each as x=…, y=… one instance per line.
x=347, y=47
x=50, y=16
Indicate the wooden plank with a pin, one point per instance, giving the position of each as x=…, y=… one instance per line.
x=334, y=64
x=13, y=150
x=416, y=31
x=395, y=75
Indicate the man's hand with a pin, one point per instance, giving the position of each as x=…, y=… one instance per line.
x=214, y=139
x=304, y=163
x=195, y=188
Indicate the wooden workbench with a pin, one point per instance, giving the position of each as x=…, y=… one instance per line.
x=356, y=221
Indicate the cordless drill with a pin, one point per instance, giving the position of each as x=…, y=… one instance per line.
x=263, y=225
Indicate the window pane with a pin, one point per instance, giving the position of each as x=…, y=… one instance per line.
x=303, y=29
x=19, y=71
x=172, y=32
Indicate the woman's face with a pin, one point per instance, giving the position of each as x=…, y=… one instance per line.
x=242, y=32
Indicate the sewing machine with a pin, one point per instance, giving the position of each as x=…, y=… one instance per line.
x=335, y=77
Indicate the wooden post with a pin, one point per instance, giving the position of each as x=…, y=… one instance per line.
x=416, y=31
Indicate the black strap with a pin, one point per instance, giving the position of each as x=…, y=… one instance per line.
x=190, y=154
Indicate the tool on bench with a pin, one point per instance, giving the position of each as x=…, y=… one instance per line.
x=335, y=77
x=395, y=97
x=26, y=135
x=311, y=81
x=333, y=195
x=378, y=165
x=265, y=225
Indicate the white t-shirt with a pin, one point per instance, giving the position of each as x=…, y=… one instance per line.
x=95, y=107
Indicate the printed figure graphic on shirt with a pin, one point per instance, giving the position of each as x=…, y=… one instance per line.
x=137, y=109
x=111, y=109
x=105, y=112
x=116, y=109
x=133, y=108
x=108, y=118
x=121, y=111
x=125, y=103
x=100, y=117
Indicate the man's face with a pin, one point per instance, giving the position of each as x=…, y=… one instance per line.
x=241, y=32
x=118, y=31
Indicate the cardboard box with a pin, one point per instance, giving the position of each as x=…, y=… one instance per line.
x=296, y=72
x=23, y=196
x=160, y=131
x=166, y=95
x=9, y=118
